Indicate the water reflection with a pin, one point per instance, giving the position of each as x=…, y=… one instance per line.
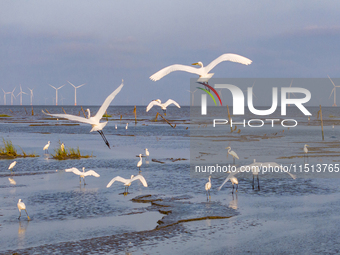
x=23, y=225
x=233, y=203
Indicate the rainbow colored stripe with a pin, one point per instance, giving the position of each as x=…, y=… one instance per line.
x=213, y=90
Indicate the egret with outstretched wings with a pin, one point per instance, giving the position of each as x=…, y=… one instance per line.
x=94, y=121
x=158, y=102
x=203, y=72
x=127, y=182
x=82, y=174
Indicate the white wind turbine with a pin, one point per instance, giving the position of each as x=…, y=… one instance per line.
x=31, y=95
x=12, y=95
x=192, y=96
x=333, y=90
x=56, y=93
x=75, y=92
x=20, y=93
x=5, y=93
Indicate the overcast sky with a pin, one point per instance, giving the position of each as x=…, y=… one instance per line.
x=101, y=42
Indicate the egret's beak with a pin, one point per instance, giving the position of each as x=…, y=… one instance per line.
x=195, y=64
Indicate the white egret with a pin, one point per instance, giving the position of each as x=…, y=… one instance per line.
x=147, y=154
x=46, y=146
x=232, y=179
x=115, y=126
x=158, y=102
x=22, y=206
x=203, y=72
x=82, y=174
x=12, y=165
x=208, y=186
x=127, y=124
x=127, y=182
x=305, y=150
x=94, y=121
x=140, y=162
x=62, y=147
x=255, y=170
x=232, y=153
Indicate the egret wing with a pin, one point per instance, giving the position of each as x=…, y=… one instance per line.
x=228, y=178
x=228, y=57
x=117, y=178
x=74, y=170
x=165, y=71
x=151, y=104
x=70, y=117
x=91, y=172
x=107, y=102
x=170, y=101
x=141, y=178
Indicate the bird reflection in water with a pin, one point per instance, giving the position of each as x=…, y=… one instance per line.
x=233, y=203
x=21, y=233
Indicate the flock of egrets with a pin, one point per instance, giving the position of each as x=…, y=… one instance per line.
x=98, y=126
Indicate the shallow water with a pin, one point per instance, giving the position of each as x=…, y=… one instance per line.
x=62, y=210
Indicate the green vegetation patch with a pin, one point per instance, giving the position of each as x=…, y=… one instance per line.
x=9, y=151
x=69, y=153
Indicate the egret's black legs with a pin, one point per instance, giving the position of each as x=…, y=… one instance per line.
x=258, y=182
x=104, y=138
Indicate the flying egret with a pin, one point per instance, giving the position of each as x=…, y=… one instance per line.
x=203, y=72
x=208, y=187
x=46, y=146
x=158, y=102
x=12, y=165
x=232, y=153
x=140, y=162
x=94, y=121
x=82, y=174
x=127, y=182
x=22, y=206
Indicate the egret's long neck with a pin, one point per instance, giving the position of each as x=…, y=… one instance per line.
x=88, y=113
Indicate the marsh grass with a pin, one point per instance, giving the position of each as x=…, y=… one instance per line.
x=69, y=153
x=9, y=151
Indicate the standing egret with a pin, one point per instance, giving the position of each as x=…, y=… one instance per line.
x=12, y=165
x=140, y=162
x=115, y=126
x=158, y=102
x=94, y=121
x=127, y=124
x=46, y=146
x=127, y=182
x=22, y=206
x=255, y=168
x=62, y=147
x=232, y=153
x=208, y=187
x=147, y=154
x=305, y=150
x=82, y=174
x=203, y=72
x=232, y=179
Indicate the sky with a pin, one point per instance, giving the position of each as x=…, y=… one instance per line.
x=99, y=43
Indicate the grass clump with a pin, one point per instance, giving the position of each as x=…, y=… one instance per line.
x=69, y=153
x=9, y=151
x=4, y=115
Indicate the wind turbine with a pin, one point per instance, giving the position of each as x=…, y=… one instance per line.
x=75, y=92
x=5, y=93
x=56, y=93
x=20, y=93
x=333, y=90
x=62, y=99
x=192, y=96
x=12, y=95
x=31, y=95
